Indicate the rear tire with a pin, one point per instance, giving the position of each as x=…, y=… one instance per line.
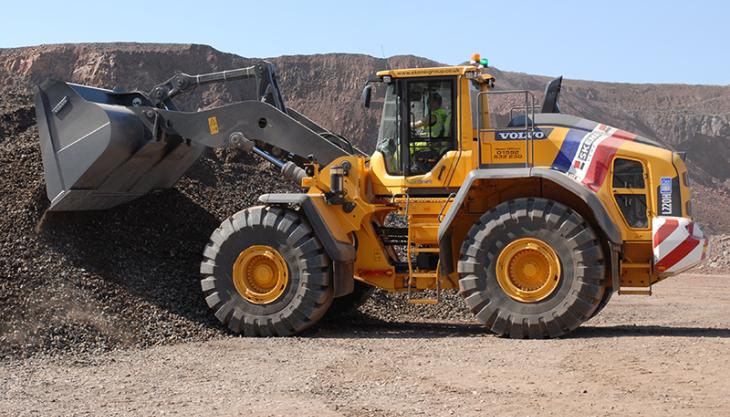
x=574, y=296
x=299, y=303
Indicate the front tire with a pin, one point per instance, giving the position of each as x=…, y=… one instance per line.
x=265, y=273
x=532, y=268
x=604, y=302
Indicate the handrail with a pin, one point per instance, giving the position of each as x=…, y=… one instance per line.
x=446, y=203
x=528, y=126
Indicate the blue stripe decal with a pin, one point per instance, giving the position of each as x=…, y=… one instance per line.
x=568, y=149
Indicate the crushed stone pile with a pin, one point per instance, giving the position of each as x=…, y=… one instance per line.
x=87, y=282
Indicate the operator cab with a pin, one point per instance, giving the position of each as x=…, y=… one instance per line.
x=421, y=111
x=427, y=126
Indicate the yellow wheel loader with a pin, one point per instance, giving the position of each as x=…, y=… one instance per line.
x=536, y=218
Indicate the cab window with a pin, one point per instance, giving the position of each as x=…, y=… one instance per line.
x=389, y=133
x=629, y=191
x=628, y=173
x=431, y=127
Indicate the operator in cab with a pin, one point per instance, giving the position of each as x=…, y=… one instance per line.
x=435, y=123
x=430, y=135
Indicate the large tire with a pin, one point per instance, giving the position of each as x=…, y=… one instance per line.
x=576, y=294
x=604, y=302
x=305, y=297
x=348, y=304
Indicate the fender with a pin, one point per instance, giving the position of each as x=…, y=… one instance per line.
x=341, y=253
x=595, y=204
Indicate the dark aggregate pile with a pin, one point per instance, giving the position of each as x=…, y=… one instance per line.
x=86, y=282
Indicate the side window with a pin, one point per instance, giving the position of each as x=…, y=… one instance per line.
x=431, y=127
x=629, y=190
x=627, y=173
x=633, y=207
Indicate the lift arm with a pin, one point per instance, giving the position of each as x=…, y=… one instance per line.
x=266, y=121
x=266, y=84
x=102, y=148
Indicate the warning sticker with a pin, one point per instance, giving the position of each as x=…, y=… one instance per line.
x=500, y=154
x=213, y=125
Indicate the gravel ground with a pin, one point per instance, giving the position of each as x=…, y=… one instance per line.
x=664, y=355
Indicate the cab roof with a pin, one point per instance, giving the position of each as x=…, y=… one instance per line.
x=433, y=71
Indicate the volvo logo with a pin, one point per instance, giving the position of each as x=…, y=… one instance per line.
x=524, y=135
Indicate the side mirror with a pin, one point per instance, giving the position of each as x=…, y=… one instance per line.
x=367, y=94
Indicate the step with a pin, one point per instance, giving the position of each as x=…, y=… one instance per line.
x=425, y=250
x=634, y=291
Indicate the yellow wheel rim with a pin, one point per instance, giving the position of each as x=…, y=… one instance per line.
x=260, y=274
x=528, y=270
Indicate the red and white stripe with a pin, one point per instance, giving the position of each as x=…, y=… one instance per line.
x=603, y=157
x=678, y=243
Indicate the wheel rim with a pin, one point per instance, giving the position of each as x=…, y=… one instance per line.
x=528, y=270
x=260, y=274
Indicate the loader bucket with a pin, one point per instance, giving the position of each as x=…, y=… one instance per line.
x=96, y=151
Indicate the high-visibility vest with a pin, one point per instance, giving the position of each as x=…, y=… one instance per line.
x=440, y=126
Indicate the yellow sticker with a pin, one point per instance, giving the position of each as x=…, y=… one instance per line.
x=508, y=153
x=213, y=125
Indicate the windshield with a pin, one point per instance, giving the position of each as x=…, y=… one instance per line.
x=389, y=135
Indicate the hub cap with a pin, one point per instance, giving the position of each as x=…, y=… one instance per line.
x=260, y=274
x=528, y=270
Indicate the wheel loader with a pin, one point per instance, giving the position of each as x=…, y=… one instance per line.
x=535, y=217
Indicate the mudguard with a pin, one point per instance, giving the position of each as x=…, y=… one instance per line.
x=599, y=211
x=342, y=253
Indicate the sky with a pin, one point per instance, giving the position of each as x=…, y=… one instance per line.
x=618, y=41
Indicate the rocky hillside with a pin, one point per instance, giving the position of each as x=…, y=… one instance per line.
x=326, y=87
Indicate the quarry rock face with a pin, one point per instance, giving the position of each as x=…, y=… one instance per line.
x=84, y=282
x=327, y=87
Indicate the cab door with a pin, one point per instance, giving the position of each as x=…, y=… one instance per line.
x=429, y=132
